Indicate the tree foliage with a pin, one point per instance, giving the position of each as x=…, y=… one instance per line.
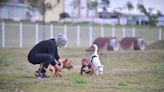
x=105, y=4
x=92, y=4
x=40, y=5
x=129, y=6
x=148, y=13
x=3, y=1
x=142, y=9
x=64, y=15
x=159, y=13
x=75, y=3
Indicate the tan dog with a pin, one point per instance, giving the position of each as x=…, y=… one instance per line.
x=66, y=64
x=86, y=68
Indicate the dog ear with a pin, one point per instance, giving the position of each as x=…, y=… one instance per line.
x=65, y=60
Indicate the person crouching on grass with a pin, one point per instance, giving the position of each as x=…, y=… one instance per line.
x=45, y=53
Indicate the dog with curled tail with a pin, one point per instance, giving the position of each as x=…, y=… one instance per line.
x=95, y=61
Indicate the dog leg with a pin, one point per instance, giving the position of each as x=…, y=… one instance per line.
x=52, y=69
x=81, y=71
x=97, y=72
x=57, y=73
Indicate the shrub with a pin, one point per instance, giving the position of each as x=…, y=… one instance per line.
x=121, y=83
x=64, y=15
x=3, y=62
x=80, y=79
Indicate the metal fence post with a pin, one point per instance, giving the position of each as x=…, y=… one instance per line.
x=134, y=32
x=160, y=33
x=113, y=31
x=3, y=34
x=123, y=32
x=90, y=34
x=78, y=36
x=102, y=30
x=36, y=33
x=51, y=31
x=20, y=35
x=65, y=29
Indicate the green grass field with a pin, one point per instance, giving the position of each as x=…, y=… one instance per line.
x=124, y=71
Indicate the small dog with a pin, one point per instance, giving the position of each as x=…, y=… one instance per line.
x=86, y=68
x=66, y=64
x=95, y=61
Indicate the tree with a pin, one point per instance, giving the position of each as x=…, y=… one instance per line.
x=2, y=2
x=142, y=9
x=159, y=13
x=42, y=6
x=76, y=4
x=64, y=15
x=130, y=6
x=148, y=13
x=105, y=4
x=92, y=5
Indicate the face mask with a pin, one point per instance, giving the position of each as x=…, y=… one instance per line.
x=61, y=41
x=61, y=45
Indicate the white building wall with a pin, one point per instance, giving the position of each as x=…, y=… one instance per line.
x=18, y=12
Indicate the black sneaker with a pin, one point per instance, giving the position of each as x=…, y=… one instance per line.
x=39, y=74
x=43, y=75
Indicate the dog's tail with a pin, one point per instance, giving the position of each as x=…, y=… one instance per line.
x=96, y=48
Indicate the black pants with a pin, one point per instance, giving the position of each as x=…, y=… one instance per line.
x=38, y=58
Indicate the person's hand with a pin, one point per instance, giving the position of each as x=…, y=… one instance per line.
x=61, y=63
x=58, y=68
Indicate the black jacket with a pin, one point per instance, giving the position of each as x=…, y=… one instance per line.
x=46, y=47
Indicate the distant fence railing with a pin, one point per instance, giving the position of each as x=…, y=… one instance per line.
x=19, y=35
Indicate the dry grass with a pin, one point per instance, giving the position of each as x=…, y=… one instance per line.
x=131, y=71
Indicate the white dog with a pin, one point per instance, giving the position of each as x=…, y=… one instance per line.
x=95, y=61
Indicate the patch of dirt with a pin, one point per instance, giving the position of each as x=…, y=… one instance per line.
x=157, y=45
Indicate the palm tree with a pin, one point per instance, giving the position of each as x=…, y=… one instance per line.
x=142, y=9
x=159, y=13
x=148, y=13
x=2, y=2
x=76, y=4
x=105, y=4
x=130, y=6
x=92, y=5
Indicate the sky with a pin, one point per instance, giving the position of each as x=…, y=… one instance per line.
x=156, y=4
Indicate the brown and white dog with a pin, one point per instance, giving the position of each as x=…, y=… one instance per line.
x=66, y=64
x=86, y=68
x=95, y=61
